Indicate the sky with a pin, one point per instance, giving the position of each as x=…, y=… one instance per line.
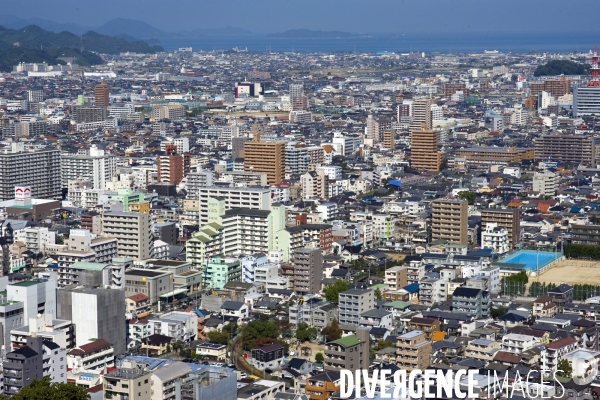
x=370, y=16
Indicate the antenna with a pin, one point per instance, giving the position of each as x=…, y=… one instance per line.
x=595, y=82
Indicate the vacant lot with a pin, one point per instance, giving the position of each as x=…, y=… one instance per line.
x=572, y=272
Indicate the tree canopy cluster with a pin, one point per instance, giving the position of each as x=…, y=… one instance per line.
x=558, y=67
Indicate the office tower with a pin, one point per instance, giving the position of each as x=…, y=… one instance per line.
x=413, y=351
x=350, y=352
x=451, y=88
x=35, y=96
x=424, y=152
x=354, y=302
x=556, y=87
x=421, y=114
x=133, y=233
x=268, y=157
x=172, y=167
x=566, y=148
x=98, y=167
x=388, y=139
x=96, y=313
x=40, y=170
x=89, y=113
x=449, y=221
x=509, y=219
x=101, y=92
x=308, y=270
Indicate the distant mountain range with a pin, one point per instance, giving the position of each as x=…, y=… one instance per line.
x=309, y=34
x=119, y=27
x=34, y=44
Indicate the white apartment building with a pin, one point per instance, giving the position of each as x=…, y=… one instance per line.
x=132, y=231
x=333, y=172
x=196, y=180
x=98, y=167
x=177, y=324
x=546, y=183
x=234, y=197
x=35, y=238
x=300, y=117
x=265, y=273
x=496, y=238
x=182, y=144
x=168, y=380
x=517, y=344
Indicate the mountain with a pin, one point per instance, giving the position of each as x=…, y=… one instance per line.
x=309, y=34
x=34, y=44
x=14, y=22
x=130, y=27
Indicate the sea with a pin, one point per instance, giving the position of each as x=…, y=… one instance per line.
x=397, y=43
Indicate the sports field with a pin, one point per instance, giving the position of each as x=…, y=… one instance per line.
x=572, y=272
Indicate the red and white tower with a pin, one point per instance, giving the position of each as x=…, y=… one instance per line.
x=594, y=69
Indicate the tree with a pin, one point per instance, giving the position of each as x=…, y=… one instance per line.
x=378, y=294
x=263, y=328
x=59, y=239
x=46, y=390
x=319, y=357
x=304, y=333
x=498, y=312
x=468, y=196
x=564, y=368
x=332, y=291
x=227, y=332
x=332, y=332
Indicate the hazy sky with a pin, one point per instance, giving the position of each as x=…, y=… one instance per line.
x=403, y=16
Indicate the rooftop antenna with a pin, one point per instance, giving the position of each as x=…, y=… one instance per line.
x=595, y=82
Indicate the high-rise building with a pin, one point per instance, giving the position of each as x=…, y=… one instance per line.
x=40, y=170
x=35, y=96
x=452, y=88
x=375, y=128
x=586, y=101
x=388, y=139
x=566, y=148
x=172, y=167
x=424, y=152
x=449, y=221
x=296, y=90
x=556, y=87
x=314, y=184
x=234, y=197
x=509, y=219
x=101, y=93
x=297, y=158
x=421, y=114
x=98, y=167
x=133, y=233
x=85, y=113
x=267, y=157
x=96, y=313
x=308, y=270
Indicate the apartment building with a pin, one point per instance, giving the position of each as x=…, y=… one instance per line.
x=475, y=302
x=432, y=291
x=218, y=271
x=495, y=237
x=424, y=152
x=413, y=351
x=308, y=270
x=81, y=246
x=322, y=386
x=305, y=235
x=59, y=331
x=101, y=94
x=585, y=234
x=586, y=100
x=39, y=170
x=180, y=326
x=430, y=326
x=482, y=349
x=556, y=87
x=314, y=312
x=396, y=277
x=172, y=167
x=92, y=357
x=131, y=382
x=545, y=183
x=22, y=366
x=349, y=352
x=421, y=114
x=167, y=381
x=234, y=197
x=267, y=157
x=517, y=343
x=389, y=139
x=352, y=303
x=132, y=231
x=97, y=167
x=86, y=114
x=480, y=156
x=170, y=111
x=566, y=148
x=449, y=221
x=314, y=184
x=509, y=219
x=557, y=350
x=451, y=88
